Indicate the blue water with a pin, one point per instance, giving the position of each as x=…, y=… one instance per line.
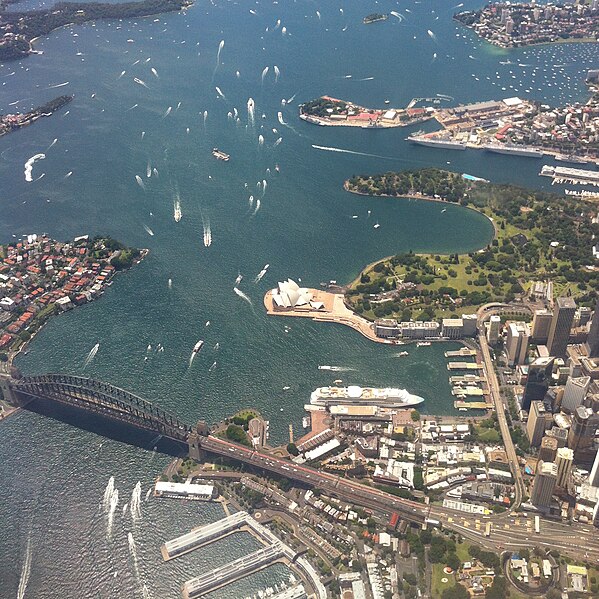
x=54, y=475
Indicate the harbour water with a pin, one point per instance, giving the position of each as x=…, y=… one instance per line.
x=54, y=541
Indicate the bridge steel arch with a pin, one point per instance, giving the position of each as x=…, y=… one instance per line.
x=103, y=399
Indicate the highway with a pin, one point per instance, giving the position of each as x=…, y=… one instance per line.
x=502, y=419
x=508, y=531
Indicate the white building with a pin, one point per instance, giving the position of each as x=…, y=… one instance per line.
x=289, y=294
x=574, y=393
x=564, y=460
x=518, y=335
x=185, y=490
x=493, y=329
x=594, y=476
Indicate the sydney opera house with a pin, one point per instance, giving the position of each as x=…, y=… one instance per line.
x=289, y=295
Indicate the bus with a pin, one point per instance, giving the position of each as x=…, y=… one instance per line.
x=537, y=524
x=488, y=529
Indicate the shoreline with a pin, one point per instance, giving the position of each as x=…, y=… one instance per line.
x=425, y=198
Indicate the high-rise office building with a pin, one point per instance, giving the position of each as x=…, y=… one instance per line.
x=518, y=335
x=493, y=329
x=582, y=432
x=537, y=382
x=574, y=393
x=564, y=460
x=539, y=420
x=540, y=326
x=544, y=484
x=561, y=324
x=594, y=476
x=593, y=337
x=548, y=449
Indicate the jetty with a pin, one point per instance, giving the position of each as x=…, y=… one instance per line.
x=464, y=366
x=463, y=352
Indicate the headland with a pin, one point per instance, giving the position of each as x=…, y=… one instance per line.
x=12, y=122
x=18, y=30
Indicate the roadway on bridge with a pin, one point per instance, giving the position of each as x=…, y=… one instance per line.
x=508, y=531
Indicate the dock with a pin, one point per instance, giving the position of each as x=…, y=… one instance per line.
x=472, y=405
x=239, y=568
x=467, y=379
x=468, y=392
x=464, y=366
x=203, y=535
x=463, y=352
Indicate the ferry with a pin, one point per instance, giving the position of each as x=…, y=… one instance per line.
x=220, y=155
x=355, y=395
x=423, y=343
x=197, y=347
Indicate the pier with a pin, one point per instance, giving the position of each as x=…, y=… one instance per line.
x=464, y=366
x=463, y=352
x=239, y=568
x=468, y=392
x=472, y=405
x=204, y=535
x=467, y=379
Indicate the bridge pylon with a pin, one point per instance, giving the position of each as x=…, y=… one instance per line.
x=193, y=441
x=8, y=393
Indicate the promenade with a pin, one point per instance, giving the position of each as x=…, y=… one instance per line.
x=333, y=310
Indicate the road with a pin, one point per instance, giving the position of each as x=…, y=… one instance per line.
x=502, y=420
x=508, y=532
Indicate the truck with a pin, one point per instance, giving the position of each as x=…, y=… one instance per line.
x=537, y=525
x=488, y=529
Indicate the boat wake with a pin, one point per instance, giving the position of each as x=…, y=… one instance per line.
x=337, y=368
x=177, y=214
x=243, y=296
x=91, y=355
x=343, y=151
x=25, y=571
x=207, y=232
x=135, y=503
x=29, y=166
x=261, y=273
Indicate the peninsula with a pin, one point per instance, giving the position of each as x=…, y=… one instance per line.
x=328, y=111
x=520, y=128
x=513, y=25
x=40, y=277
x=19, y=29
x=12, y=122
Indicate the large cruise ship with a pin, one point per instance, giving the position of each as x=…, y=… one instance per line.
x=447, y=144
x=364, y=396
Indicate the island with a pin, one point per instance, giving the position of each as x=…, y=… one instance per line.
x=375, y=17
x=538, y=237
x=40, y=277
x=520, y=127
x=328, y=111
x=19, y=29
x=513, y=25
x=12, y=122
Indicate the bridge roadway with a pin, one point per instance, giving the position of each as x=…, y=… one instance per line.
x=509, y=531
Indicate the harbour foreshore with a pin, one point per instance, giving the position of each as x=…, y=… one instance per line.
x=333, y=310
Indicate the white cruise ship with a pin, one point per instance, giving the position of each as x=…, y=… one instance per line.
x=365, y=396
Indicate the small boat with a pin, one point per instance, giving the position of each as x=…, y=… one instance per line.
x=376, y=226
x=196, y=348
x=403, y=353
x=220, y=155
x=423, y=343
x=338, y=382
x=387, y=101
x=286, y=388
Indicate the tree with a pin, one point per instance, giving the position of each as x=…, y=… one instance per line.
x=292, y=449
x=415, y=415
x=455, y=592
x=453, y=561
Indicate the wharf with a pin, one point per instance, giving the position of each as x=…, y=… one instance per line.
x=464, y=366
x=239, y=568
x=203, y=535
x=463, y=352
x=468, y=392
x=467, y=379
x=472, y=405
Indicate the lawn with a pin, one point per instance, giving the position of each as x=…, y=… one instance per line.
x=437, y=587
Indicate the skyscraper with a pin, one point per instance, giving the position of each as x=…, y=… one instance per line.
x=574, y=393
x=582, y=431
x=564, y=460
x=518, y=335
x=541, y=323
x=539, y=420
x=493, y=329
x=544, y=485
x=561, y=323
x=593, y=338
x=548, y=450
x=537, y=383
